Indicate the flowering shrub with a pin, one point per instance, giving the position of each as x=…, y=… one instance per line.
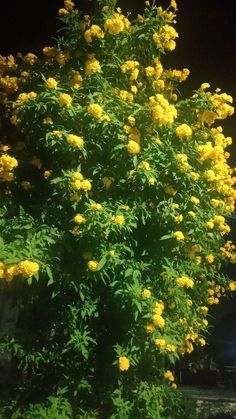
x=115, y=197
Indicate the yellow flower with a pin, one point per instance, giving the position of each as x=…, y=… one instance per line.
x=77, y=176
x=62, y=12
x=131, y=120
x=144, y=165
x=209, y=258
x=95, y=206
x=68, y=5
x=202, y=341
x=146, y=293
x=160, y=343
x=210, y=224
x=170, y=190
x=11, y=271
x=133, y=147
x=124, y=363
x=57, y=134
x=118, y=219
x=170, y=348
x=85, y=185
x=158, y=321
x=47, y=121
x=232, y=285
x=75, y=141
x=47, y=174
x=178, y=218
x=195, y=200
x=158, y=307
x=178, y=235
x=204, y=310
x=92, y=265
x=2, y=268
x=184, y=281
x=65, y=100
x=184, y=131
x=92, y=65
x=28, y=268
x=151, y=181
x=79, y=219
x=51, y=83
x=93, y=32
x=7, y=162
x=107, y=181
x=150, y=328
x=194, y=175
x=95, y=110
x=169, y=375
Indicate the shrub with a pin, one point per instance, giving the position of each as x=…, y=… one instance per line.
x=115, y=198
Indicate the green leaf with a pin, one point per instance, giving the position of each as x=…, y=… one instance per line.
x=101, y=263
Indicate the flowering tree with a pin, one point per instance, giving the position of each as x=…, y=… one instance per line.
x=114, y=198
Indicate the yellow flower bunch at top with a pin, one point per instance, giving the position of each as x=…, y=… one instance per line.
x=221, y=105
x=117, y=24
x=166, y=38
x=93, y=32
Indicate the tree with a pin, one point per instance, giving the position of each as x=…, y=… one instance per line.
x=115, y=193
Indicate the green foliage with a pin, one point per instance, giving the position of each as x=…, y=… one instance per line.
x=114, y=197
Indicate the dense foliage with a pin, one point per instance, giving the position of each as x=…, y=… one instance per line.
x=114, y=197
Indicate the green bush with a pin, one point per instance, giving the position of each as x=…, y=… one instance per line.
x=115, y=192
